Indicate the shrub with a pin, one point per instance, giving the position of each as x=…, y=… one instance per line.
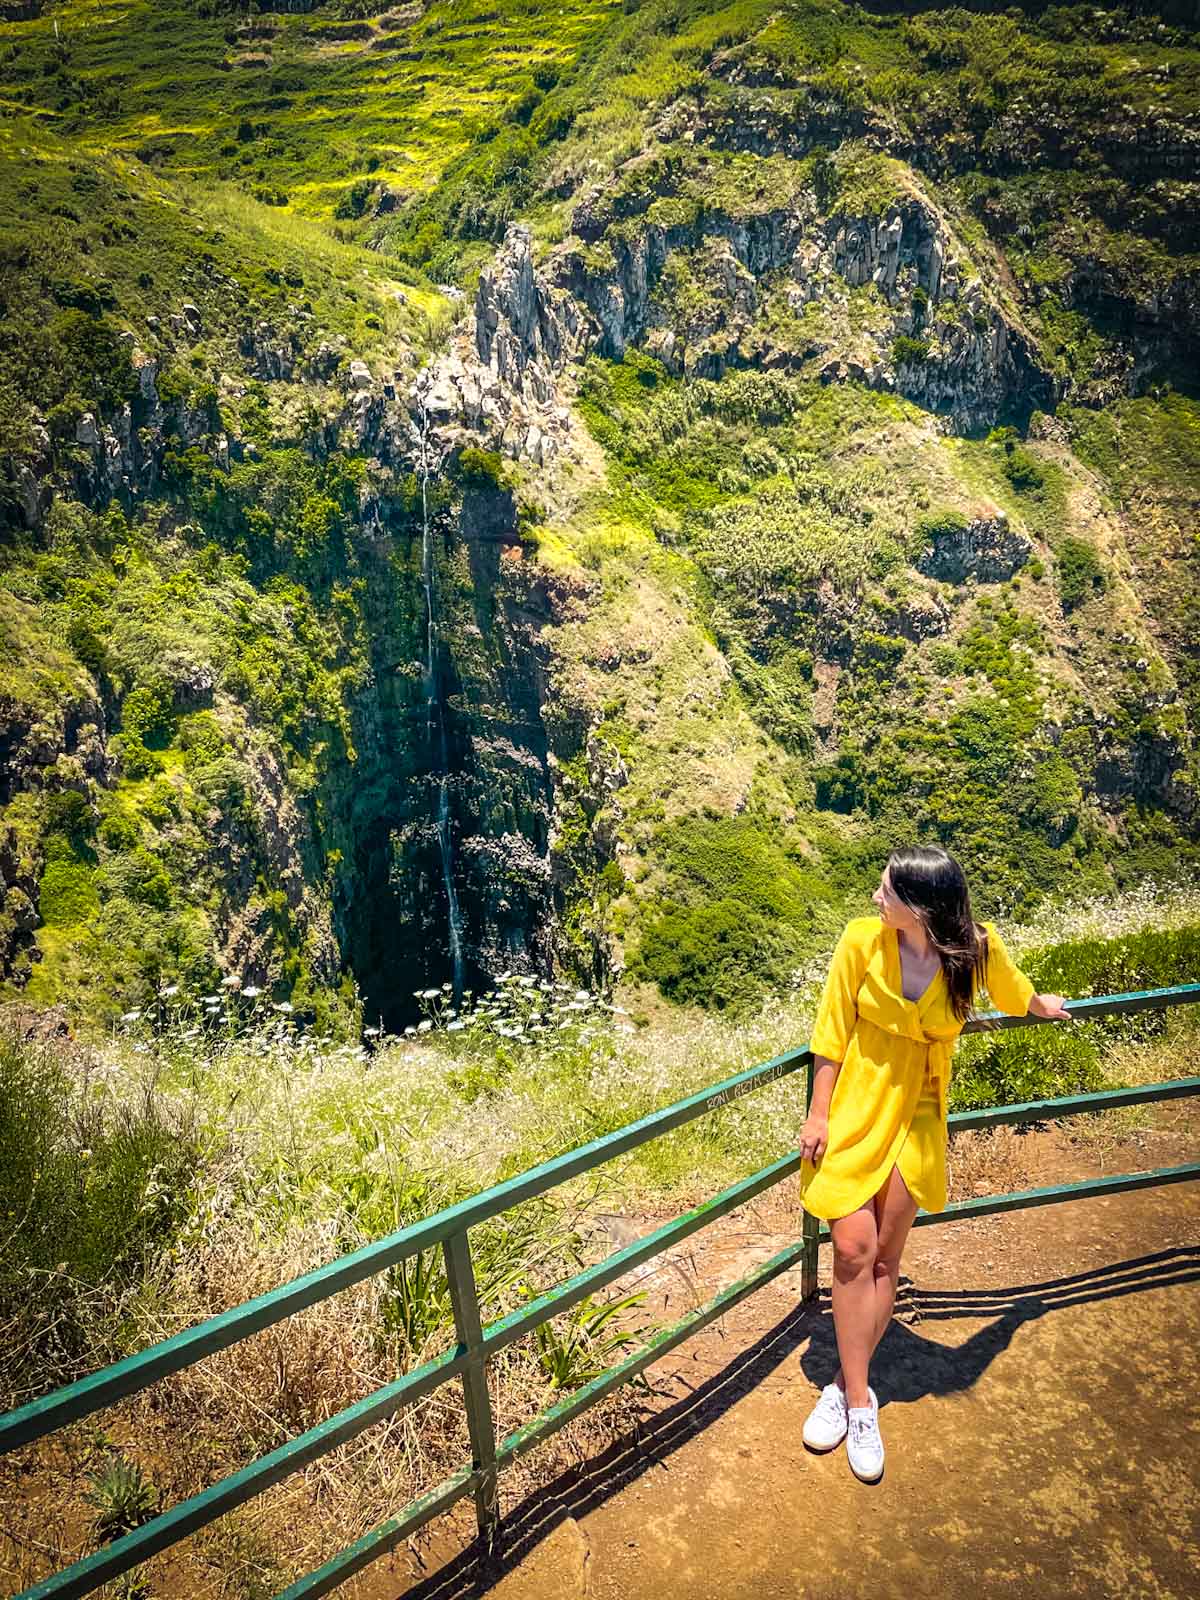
x=146, y=714
x=1022, y=471
x=718, y=956
x=1042, y=1063
x=67, y=891
x=201, y=740
x=1080, y=574
x=69, y=813
x=135, y=760
x=944, y=524
x=480, y=468
x=842, y=784
x=139, y=877
x=91, y=1192
x=120, y=832
x=88, y=646
x=1019, y=467
x=353, y=201
x=909, y=352
x=92, y=359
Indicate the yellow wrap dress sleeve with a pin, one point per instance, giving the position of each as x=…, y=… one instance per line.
x=889, y=1101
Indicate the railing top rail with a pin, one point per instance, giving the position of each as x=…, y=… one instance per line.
x=137, y=1372
x=1179, y=994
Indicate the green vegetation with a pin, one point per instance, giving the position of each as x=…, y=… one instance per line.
x=1080, y=573
x=699, y=671
x=1007, y=1068
x=94, y=1189
x=226, y=609
x=909, y=352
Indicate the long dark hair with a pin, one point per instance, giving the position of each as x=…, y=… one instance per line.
x=933, y=886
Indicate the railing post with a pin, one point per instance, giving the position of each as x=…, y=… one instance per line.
x=811, y=1226
x=464, y=1299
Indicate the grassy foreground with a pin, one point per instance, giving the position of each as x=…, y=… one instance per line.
x=213, y=1150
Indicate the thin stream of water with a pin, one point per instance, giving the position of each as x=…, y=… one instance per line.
x=435, y=721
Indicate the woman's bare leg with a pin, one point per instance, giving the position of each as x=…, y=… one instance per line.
x=893, y=1209
x=855, y=1244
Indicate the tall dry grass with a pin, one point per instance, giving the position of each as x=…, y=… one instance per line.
x=304, y=1151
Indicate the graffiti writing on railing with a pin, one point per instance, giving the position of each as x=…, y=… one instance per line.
x=716, y=1101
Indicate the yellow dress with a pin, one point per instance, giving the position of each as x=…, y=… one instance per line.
x=889, y=1101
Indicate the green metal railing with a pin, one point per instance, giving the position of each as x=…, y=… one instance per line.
x=476, y=1343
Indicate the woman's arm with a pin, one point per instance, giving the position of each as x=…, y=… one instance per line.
x=814, y=1135
x=1012, y=991
x=836, y=1016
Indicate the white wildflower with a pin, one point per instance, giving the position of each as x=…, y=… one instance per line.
x=424, y=1027
x=232, y=981
x=172, y=988
x=409, y=1033
x=454, y=1027
x=252, y=992
x=285, y=1006
x=431, y=994
x=130, y=1016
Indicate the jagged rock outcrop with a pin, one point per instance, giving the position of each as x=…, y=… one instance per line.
x=987, y=549
x=968, y=355
x=500, y=378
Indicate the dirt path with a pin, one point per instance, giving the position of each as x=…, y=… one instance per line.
x=1038, y=1403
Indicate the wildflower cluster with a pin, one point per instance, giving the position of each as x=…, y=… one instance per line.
x=523, y=1010
x=177, y=1019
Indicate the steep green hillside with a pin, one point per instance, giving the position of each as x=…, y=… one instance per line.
x=815, y=466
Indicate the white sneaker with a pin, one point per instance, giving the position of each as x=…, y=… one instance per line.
x=864, y=1446
x=825, y=1426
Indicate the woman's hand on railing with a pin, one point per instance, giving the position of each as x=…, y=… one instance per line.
x=1050, y=1006
x=814, y=1136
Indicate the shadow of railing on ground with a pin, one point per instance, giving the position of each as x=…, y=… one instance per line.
x=910, y=1367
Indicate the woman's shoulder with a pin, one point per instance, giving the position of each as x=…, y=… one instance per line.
x=863, y=932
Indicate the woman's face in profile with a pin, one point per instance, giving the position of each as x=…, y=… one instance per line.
x=892, y=910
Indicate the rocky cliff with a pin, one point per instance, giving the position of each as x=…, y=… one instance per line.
x=614, y=543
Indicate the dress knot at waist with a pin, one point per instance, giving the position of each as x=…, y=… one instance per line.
x=939, y=1049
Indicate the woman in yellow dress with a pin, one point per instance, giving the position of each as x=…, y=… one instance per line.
x=899, y=989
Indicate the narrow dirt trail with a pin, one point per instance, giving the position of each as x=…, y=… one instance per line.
x=1039, y=1407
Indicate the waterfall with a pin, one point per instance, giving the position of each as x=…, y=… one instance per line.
x=435, y=721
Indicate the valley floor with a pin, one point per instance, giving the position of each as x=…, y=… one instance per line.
x=1038, y=1395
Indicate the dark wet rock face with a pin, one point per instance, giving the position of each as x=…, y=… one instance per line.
x=986, y=549
x=392, y=909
